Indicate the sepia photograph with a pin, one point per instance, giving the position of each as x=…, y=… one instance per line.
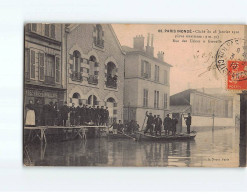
x=134, y=95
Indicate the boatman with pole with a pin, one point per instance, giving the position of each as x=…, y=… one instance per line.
x=188, y=122
x=150, y=123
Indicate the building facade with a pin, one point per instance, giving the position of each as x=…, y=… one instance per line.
x=146, y=81
x=44, y=72
x=207, y=110
x=95, y=67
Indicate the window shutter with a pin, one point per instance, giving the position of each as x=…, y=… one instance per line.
x=41, y=66
x=27, y=63
x=71, y=66
x=142, y=68
x=34, y=27
x=53, y=31
x=47, y=32
x=70, y=100
x=32, y=64
x=57, y=69
x=149, y=70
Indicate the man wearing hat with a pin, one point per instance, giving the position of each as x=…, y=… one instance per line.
x=150, y=123
x=158, y=125
x=167, y=124
x=64, y=113
x=188, y=122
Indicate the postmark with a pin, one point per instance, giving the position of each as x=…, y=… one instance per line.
x=231, y=62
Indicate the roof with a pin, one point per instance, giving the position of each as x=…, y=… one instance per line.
x=71, y=27
x=129, y=50
x=180, y=109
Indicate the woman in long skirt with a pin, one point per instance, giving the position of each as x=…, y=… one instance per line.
x=30, y=114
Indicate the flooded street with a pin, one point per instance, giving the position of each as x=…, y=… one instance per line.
x=215, y=149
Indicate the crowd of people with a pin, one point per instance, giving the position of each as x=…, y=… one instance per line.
x=53, y=115
x=154, y=124
x=129, y=127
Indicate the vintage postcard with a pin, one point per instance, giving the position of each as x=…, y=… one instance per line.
x=139, y=95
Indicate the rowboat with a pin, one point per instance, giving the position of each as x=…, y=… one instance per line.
x=178, y=137
x=121, y=136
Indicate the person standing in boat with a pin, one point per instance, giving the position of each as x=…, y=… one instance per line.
x=174, y=125
x=167, y=124
x=114, y=126
x=120, y=127
x=150, y=123
x=30, y=114
x=188, y=122
x=38, y=108
x=158, y=125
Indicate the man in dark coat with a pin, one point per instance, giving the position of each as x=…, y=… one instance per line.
x=167, y=124
x=174, y=125
x=79, y=114
x=188, y=122
x=72, y=115
x=106, y=116
x=38, y=108
x=102, y=112
x=158, y=125
x=64, y=111
x=97, y=115
x=150, y=123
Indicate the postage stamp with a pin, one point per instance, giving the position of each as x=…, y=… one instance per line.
x=237, y=75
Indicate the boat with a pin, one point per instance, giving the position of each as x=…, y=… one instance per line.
x=121, y=136
x=178, y=137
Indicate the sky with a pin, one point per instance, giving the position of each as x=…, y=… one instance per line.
x=190, y=60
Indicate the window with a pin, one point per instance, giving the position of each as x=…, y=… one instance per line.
x=145, y=98
x=156, y=99
x=98, y=39
x=32, y=64
x=165, y=77
x=50, y=30
x=77, y=61
x=50, y=66
x=93, y=73
x=145, y=69
x=111, y=80
x=58, y=69
x=165, y=101
x=34, y=27
x=156, y=73
x=92, y=100
x=41, y=66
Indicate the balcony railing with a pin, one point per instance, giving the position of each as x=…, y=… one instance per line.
x=76, y=76
x=111, y=82
x=49, y=80
x=93, y=79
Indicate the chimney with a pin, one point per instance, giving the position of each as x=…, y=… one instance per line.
x=138, y=42
x=160, y=56
x=150, y=49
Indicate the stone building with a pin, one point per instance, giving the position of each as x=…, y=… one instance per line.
x=207, y=110
x=44, y=72
x=146, y=81
x=95, y=67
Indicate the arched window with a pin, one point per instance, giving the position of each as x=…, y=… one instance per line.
x=93, y=72
x=99, y=36
x=92, y=100
x=112, y=108
x=76, y=98
x=111, y=75
x=77, y=61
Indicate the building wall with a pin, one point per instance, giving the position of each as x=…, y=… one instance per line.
x=134, y=88
x=38, y=44
x=81, y=39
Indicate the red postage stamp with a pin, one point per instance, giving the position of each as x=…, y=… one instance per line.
x=237, y=75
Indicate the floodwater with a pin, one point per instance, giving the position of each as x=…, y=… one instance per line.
x=209, y=149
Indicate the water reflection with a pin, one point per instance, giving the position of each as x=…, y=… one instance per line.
x=216, y=149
